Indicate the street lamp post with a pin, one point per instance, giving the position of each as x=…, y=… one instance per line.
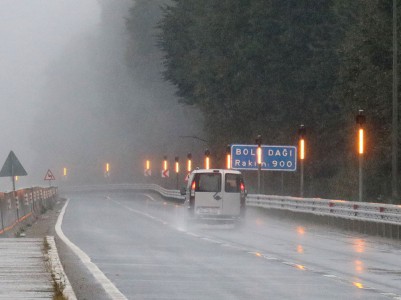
x=360, y=120
x=259, y=158
x=301, y=133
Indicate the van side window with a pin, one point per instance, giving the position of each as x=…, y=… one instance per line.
x=232, y=183
x=208, y=182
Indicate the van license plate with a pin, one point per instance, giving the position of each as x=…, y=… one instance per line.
x=209, y=210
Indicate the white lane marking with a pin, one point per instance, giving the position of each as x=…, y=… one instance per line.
x=140, y=213
x=107, y=285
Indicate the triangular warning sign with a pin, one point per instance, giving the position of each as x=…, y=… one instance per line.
x=12, y=167
x=49, y=175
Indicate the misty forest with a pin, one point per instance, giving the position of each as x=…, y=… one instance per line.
x=222, y=72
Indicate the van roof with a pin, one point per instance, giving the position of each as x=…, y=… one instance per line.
x=223, y=171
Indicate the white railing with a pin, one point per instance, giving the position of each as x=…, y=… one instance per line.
x=361, y=211
x=174, y=194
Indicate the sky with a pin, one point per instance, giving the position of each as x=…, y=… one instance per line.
x=33, y=33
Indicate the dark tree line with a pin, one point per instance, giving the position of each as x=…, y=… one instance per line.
x=265, y=67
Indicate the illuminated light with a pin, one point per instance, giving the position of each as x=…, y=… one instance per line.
x=107, y=167
x=242, y=187
x=302, y=149
x=228, y=157
x=300, y=267
x=300, y=230
x=177, y=167
x=361, y=141
x=16, y=178
x=358, y=285
x=147, y=164
x=65, y=172
x=193, y=186
x=259, y=155
x=258, y=254
x=207, y=163
x=165, y=165
x=300, y=249
x=189, y=165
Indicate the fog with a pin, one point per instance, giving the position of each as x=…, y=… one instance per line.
x=70, y=100
x=32, y=34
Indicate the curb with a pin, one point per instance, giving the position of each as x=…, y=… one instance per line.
x=57, y=270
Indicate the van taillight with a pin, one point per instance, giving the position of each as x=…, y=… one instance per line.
x=193, y=186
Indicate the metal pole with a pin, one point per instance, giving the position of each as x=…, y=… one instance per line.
x=302, y=179
x=177, y=182
x=394, y=161
x=360, y=177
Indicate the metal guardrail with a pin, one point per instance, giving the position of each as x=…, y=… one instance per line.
x=360, y=211
x=172, y=194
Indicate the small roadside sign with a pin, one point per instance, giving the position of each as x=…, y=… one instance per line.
x=148, y=172
x=165, y=173
x=12, y=168
x=49, y=175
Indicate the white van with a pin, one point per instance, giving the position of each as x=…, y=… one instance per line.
x=215, y=194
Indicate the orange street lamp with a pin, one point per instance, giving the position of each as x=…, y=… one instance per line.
x=258, y=142
x=177, y=169
x=189, y=163
x=165, y=164
x=207, y=159
x=228, y=157
x=302, y=133
x=360, y=121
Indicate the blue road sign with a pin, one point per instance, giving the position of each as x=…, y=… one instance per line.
x=274, y=158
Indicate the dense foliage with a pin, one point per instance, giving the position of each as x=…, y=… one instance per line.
x=265, y=67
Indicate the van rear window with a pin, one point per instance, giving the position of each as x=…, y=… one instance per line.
x=208, y=182
x=233, y=183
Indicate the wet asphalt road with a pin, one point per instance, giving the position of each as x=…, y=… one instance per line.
x=145, y=247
